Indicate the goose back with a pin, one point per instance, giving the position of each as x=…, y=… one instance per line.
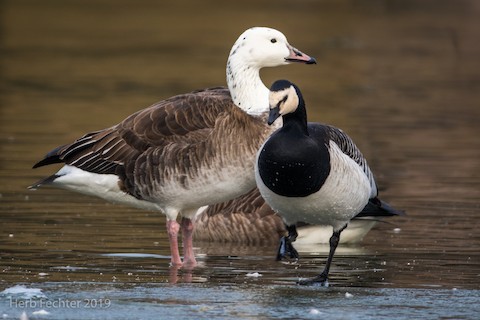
x=324, y=133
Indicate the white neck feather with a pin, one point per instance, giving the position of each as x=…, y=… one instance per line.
x=247, y=89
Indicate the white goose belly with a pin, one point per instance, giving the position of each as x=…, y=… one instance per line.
x=213, y=186
x=344, y=194
x=105, y=186
x=169, y=198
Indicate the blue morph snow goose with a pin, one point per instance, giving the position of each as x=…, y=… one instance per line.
x=313, y=173
x=184, y=152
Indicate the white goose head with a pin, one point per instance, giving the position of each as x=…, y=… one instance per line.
x=257, y=48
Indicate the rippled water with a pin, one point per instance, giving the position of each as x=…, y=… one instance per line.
x=401, y=77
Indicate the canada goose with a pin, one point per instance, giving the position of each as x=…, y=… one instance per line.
x=248, y=220
x=184, y=152
x=312, y=172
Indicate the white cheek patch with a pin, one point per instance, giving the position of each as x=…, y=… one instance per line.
x=288, y=105
x=275, y=97
x=291, y=104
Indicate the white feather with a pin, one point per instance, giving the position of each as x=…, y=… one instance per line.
x=105, y=186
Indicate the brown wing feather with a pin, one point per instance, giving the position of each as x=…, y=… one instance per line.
x=245, y=220
x=186, y=118
x=189, y=160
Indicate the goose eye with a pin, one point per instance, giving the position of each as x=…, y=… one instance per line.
x=273, y=40
x=282, y=101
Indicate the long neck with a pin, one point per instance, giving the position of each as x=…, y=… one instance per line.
x=247, y=89
x=296, y=120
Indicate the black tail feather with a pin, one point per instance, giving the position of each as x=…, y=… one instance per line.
x=378, y=208
x=51, y=158
x=47, y=180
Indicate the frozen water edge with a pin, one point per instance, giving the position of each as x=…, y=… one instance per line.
x=22, y=292
x=201, y=301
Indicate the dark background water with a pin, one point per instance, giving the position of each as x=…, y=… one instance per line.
x=401, y=77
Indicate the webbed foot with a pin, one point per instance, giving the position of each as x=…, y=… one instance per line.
x=320, y=280
x=286, y=247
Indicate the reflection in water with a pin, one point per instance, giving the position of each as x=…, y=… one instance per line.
x=401, y=77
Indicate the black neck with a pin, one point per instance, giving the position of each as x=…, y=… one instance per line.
x=297, y=120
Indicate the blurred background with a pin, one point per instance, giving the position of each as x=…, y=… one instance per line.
x=401, y=77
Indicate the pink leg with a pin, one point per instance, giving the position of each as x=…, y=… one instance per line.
x=172, y=230
x=187, y=234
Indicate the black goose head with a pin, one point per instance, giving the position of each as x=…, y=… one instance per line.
x=285, y=99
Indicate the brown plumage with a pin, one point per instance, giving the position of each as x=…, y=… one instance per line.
x=245, y=220
x=167, y=143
